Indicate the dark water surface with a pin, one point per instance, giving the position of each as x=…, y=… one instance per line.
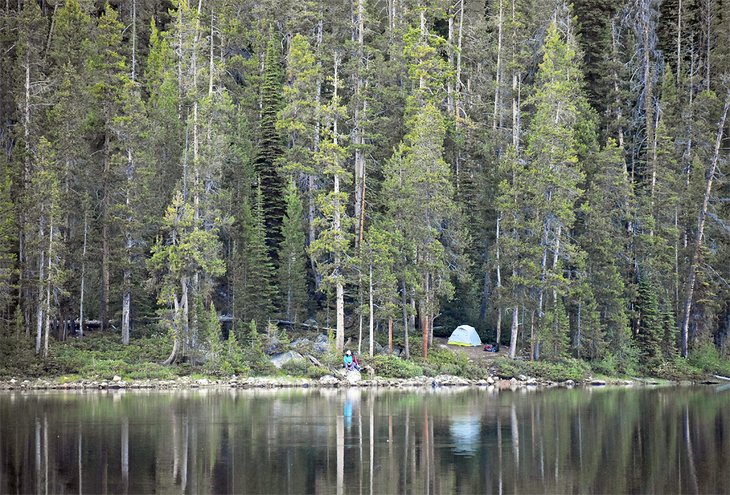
x=667, y=440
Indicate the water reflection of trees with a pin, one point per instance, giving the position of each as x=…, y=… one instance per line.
x=366, y=441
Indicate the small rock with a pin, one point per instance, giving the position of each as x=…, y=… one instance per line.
x=598, y=383
x=203, y=381
x=569, y=383
x=13, y=381
x=117, y=378
x=490, y=380
x=522, y=378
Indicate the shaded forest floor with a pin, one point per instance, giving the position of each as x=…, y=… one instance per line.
x=476, y=353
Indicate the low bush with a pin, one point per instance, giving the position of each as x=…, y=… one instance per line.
x=505, y=368
x=569, y=369
x=18, y=358
x=316, y=372
x=295, y=368
x=395, y=367
x=606, y=366
x=678, y=369
x=152, y=371
x=705, y=356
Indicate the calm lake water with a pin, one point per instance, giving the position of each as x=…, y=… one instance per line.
x=666, y=440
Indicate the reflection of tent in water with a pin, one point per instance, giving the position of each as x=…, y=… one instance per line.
x=465, y=433
x=465, y=335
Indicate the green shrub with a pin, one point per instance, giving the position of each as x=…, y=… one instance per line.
x=569, y=369
x=296, y=367
x=705, y=356
x=395, y=367
x=18, y=358
x=505, y=368
x=607, y=366
x=678, y=369
x=152, y=371
x=105, y=369
x=316, y=372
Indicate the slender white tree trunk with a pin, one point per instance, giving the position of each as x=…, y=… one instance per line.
x=700, y=230
x=83, y=275
x=49, y=282
x=513, y=332
x=41, y=272
x=372, y=312
x=337, y=228
x=498, y=70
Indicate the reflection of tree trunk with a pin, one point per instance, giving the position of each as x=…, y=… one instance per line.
x=175, y=448
x=690, y=454
x=38, y=455
x=125, y=453
x=45, y=452
x=425, y=455
x=499, y=452
x=184, y=467
x=406, y=443
x=371, y=414
x=340, y=454
x=515, y=435
x=80, y=463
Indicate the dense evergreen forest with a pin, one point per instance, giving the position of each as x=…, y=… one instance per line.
x=553, y=174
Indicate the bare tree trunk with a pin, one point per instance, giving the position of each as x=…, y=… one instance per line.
x=134, y=40
x=459, y=96
x=337, y=228
x=105, y=239
x=371, y=308
x=513, y=332
x=404, y=295
x=359, y=121
x=700, y=230
x=498, y=70
x=41, y=277
x=24, y=275
x=185, y=316
x=424, y=317
x=83, y=274
x=499, y=278
x=49, y=281
x=679, y=42
x=390, y=336
x=127, y=281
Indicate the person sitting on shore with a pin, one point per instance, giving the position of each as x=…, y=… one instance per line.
x=350, y=362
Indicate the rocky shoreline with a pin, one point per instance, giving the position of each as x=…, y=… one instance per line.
x=329, y=381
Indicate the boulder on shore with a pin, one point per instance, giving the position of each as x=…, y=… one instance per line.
x=282, y=358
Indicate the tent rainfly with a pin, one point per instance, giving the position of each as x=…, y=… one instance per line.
x=465, y=335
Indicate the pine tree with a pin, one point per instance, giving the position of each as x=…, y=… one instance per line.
x=331, y=247
x=548, y=187
x=650, y=328
x=420, y=204
x=269, y=147
x=8, y=244
x=605, y=239
x=253, y=272
x=183, y=250
x=292, y=260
